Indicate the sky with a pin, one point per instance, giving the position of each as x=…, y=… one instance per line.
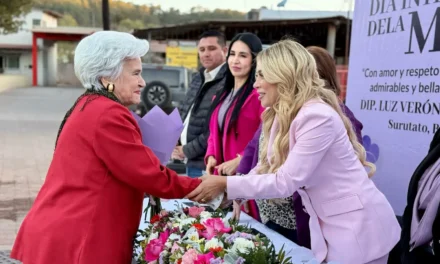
x=246, y=5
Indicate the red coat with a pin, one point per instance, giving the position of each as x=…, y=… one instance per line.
x=89, y=207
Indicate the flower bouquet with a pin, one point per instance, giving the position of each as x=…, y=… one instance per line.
x=195, y=236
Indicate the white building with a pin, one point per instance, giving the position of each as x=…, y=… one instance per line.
x=29, y=57
x=16, y=52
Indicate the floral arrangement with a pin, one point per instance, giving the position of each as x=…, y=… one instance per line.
x=195, y=236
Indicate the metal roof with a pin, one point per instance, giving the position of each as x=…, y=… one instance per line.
x=53, y=13
x=270, y=14
x=241, y=23
x=66, y=30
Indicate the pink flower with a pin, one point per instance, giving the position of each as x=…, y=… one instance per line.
x=214, y=226
x=189, y=257
x=164, y=236
x=175, y=247
x=163, y=213
x=195, y=211
x=153, y=249
x=204, y=259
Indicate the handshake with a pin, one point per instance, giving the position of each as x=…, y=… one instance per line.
x=212, y=192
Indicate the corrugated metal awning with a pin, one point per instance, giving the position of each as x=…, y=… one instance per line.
x=66, y=30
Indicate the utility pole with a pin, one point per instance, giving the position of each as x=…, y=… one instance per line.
x=105, y=15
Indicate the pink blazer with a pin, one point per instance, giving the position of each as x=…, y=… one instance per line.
x=233, y=141
x=351, y=221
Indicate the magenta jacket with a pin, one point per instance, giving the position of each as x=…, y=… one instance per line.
x=234, y=140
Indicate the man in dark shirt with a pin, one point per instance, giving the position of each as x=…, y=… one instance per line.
x=212, y=51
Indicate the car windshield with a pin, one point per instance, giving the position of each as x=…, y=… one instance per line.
x=168, y=76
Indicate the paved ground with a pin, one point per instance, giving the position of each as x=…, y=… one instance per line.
x=29, y=120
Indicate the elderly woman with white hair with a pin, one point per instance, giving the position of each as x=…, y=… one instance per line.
x=89, y=207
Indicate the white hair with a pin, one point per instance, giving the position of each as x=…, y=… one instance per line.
x=103, y=53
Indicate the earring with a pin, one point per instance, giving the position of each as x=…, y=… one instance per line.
x=110, y=87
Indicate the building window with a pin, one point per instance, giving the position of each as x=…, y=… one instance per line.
x=13, y=62
x=36, y=22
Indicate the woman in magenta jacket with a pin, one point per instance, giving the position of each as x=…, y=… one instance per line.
x=236, y=110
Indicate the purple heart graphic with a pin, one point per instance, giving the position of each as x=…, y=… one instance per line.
x=371, y=149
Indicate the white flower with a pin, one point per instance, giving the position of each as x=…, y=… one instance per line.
x=205, y=215
x=242, y=245
x=153, y=236
x=187, y=221
x=213, y=243
x=226, y=222
x=192, y=235
x=192, y=239
x=174, y=237
x=168, y=244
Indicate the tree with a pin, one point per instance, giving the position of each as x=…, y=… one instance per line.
x=124, y=15
x=66, y=49
x=12, y=14
x=127, y=25
x=67, y=21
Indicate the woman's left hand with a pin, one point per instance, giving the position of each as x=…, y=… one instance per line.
x=229, y=167
x=211, y=187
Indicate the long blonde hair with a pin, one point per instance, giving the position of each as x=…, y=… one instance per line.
x=293, y=69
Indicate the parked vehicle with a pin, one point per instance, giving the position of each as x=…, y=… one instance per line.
x=166, y=87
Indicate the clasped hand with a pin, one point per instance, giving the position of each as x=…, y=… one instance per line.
x=211, y=187
x=228, y=168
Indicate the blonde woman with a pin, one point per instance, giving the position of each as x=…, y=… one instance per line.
x=310, y=147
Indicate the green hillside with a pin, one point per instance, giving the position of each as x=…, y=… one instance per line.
x=127, y=16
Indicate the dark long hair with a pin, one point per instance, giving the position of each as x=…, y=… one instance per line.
x=326, y=68
x=255, y=45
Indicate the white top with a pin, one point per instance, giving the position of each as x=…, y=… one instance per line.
x=209, y=76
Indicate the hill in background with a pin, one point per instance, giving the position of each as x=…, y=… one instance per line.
x=126, y=16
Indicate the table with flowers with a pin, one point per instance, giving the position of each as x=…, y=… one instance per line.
x=299, y=255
